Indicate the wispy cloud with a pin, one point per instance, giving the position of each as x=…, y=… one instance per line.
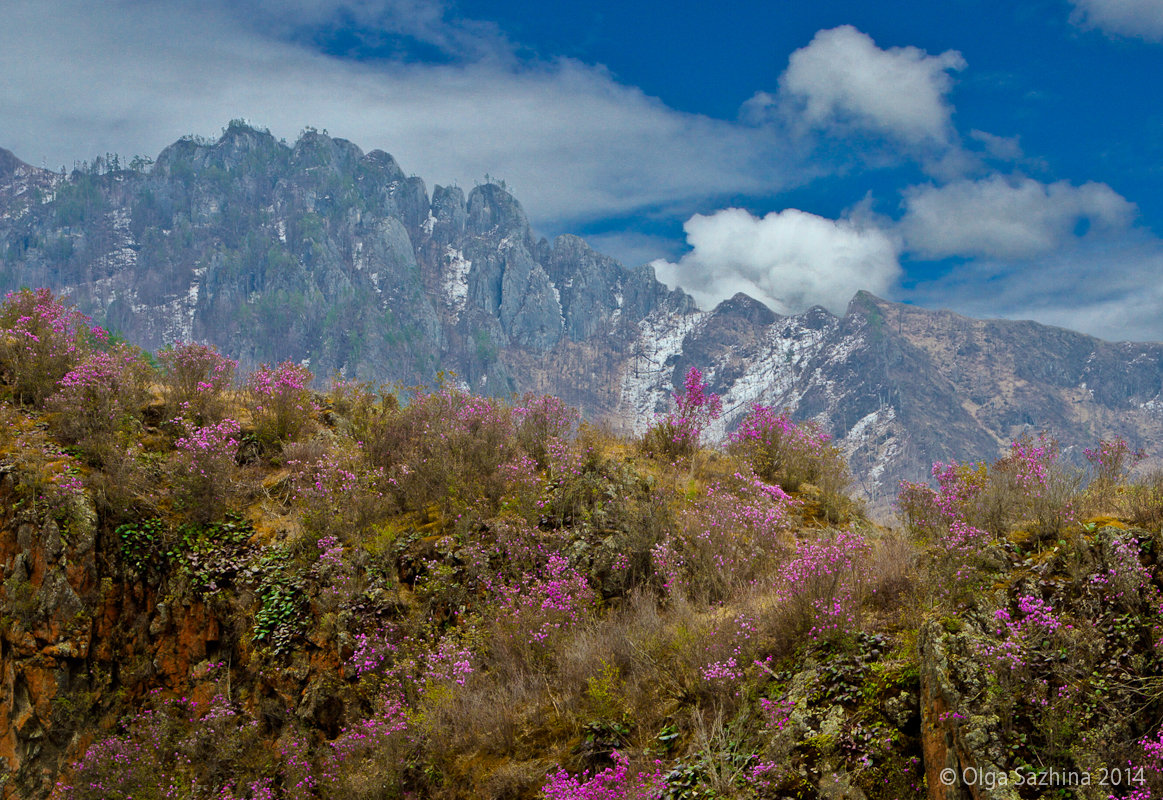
x=388, y=27
x=1141, y=19
x=1105, y=287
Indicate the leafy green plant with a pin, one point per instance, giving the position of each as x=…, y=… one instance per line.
x=279, y=621
x=143, y=544
x=604, y=696
x=212, y=555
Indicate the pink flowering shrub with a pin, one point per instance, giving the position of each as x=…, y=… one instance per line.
x=821, y=586
x=172, y=748
x=198, y=376
x=1146, y=771
x=446, y=448
x=340, y=494
x=731, y=646
x=788, y=453
x=973, y=503
x=613, y=783
x=41, y=340
x=180, y=748
x=930, y=512
x=730, y=537
x=1046, y=489
x=449, y=449
x=407, y=664
x=367, y=758
x=817, y=592
x=540, y=420
x=371, y=417
x=447, y=663
x=1019, y=634
x=280, y=402
x=1111, y=459
x=206, y=466
x=1142, y=501
x=1125, y=582
x=679, y=433
x=535, y=612
x=100, y=396
x=338, y=577
x=776, y=713
x=1109, y=490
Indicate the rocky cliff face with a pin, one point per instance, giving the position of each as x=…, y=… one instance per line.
x=320, y=253
x=83, y=638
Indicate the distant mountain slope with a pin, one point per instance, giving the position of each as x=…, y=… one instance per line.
x=903, y=386
x=319, y=252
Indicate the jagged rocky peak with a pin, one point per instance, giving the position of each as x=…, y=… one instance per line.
x=239, y=147
x=247, y=149
x=817, y=318
x=9, y=164
x=590, y=285
x=184, y=151
x=384, y=164
x=449, y=214
x=644, y=293
x=240, y=142
x=316, y=150
x=864, y=300
x=737, y=326
x=19, y=180
x=491, y=209
x=745, y=308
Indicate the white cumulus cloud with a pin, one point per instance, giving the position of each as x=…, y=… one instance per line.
x=1006, y=217
x=1141, y=19
x=789, y=260
x=843, y=79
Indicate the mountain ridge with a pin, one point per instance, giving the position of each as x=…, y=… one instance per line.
x=320, y=253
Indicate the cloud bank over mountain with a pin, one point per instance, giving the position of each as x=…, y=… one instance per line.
x=1006, y=217
x=789, y=260
x=568, y=136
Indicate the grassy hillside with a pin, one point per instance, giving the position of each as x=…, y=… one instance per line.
x=240, y=588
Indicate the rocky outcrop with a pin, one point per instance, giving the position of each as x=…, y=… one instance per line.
x=50, y=580
x=959, y=732
x=21, y=187
x=1038, y=680
x=84, y=638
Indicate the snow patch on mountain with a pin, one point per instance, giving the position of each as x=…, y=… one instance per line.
x=455, y=286
x=870, y=447
x=646, y=386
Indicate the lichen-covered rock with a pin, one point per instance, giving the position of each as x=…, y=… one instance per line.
x=1023, y=681
x=959, y=735
x=45, y=640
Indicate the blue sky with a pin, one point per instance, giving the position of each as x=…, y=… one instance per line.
x=999, y=159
